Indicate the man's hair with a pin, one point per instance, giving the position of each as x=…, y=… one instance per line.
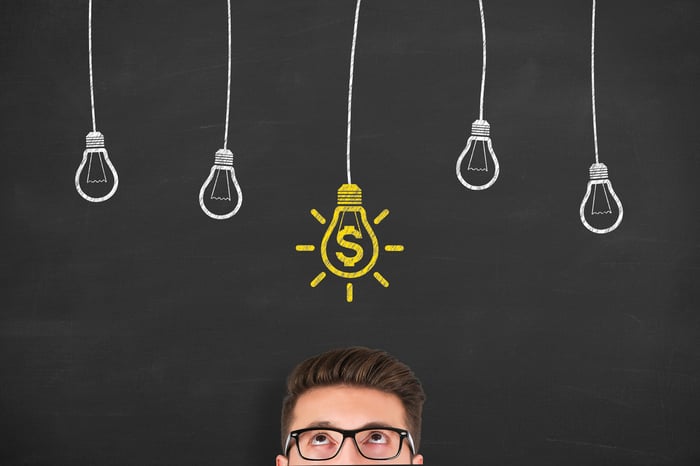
x=360, y=367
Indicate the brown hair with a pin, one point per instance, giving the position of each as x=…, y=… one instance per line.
x=357, y=366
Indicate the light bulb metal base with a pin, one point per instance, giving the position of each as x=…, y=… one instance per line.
x=349, y=194
x=598, y=171
x=223, y=157
x=94, y=140
x=481, y=128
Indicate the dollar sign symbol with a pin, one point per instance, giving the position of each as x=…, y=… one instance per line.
x=349, y=230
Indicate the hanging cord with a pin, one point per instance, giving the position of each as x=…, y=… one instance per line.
x=483, y=66
x=352, y=72
x=92, y=91
x=228, y=86
x=595, y=125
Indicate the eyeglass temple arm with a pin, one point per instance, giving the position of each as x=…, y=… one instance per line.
x=411, y=444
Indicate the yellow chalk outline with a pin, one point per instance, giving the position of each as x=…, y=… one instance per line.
x=331, y=227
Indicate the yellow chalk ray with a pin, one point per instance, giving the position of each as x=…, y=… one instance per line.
x=318, y=279
x=348, y=292
x=383, y=281
x=392, y=248
x=382, y=215
x=319, y=218
x=305, y=247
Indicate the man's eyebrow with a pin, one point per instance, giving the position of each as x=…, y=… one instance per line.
x=319, y=424
x=374, y=425
x=369, y=425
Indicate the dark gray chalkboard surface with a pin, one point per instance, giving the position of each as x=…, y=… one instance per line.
x=139, y=331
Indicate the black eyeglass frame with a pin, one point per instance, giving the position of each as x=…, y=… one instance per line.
x=403, y=434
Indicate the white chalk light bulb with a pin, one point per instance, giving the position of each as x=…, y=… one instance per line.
x=601, y=210
x=482, y=168
x=96, y=179
x=220, y=196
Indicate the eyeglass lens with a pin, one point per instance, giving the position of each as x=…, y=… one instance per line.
x=374, y=444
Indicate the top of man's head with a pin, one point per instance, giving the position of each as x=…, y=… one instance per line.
x=359, y=367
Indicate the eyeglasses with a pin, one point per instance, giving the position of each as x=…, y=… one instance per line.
x=378, y=443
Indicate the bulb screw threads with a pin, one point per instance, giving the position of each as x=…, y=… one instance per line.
x=481, y=128
x=223, y=157
x=349, y=194
x=598, y=171
x=94, y=140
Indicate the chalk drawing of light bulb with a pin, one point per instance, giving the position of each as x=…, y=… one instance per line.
x=601, y=210
x=96, y=179
x=220, y=196
x=482, y=168
x=353, y=243
x=349, y=248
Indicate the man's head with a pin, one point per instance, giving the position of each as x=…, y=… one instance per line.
x=345, y=390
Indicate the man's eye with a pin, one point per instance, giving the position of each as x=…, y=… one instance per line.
x=377, y=437
x=319, y=439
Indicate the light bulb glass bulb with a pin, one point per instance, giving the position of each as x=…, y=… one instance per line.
x=482, y=167
x=601, y=209
x=220, y=196
x=96, y=179
x=349, y=247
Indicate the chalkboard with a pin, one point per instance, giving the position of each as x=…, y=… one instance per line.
x=139, y=331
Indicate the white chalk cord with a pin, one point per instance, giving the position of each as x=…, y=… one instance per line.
x=595, y=126
x=352, y=72
x=92, y=91
x=228, y=86
x=483, y=66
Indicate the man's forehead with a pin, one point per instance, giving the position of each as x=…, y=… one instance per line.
x=333, y=425
x=347, y=407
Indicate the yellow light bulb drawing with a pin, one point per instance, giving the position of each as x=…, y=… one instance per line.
x=349, y=248
x=346, y=230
